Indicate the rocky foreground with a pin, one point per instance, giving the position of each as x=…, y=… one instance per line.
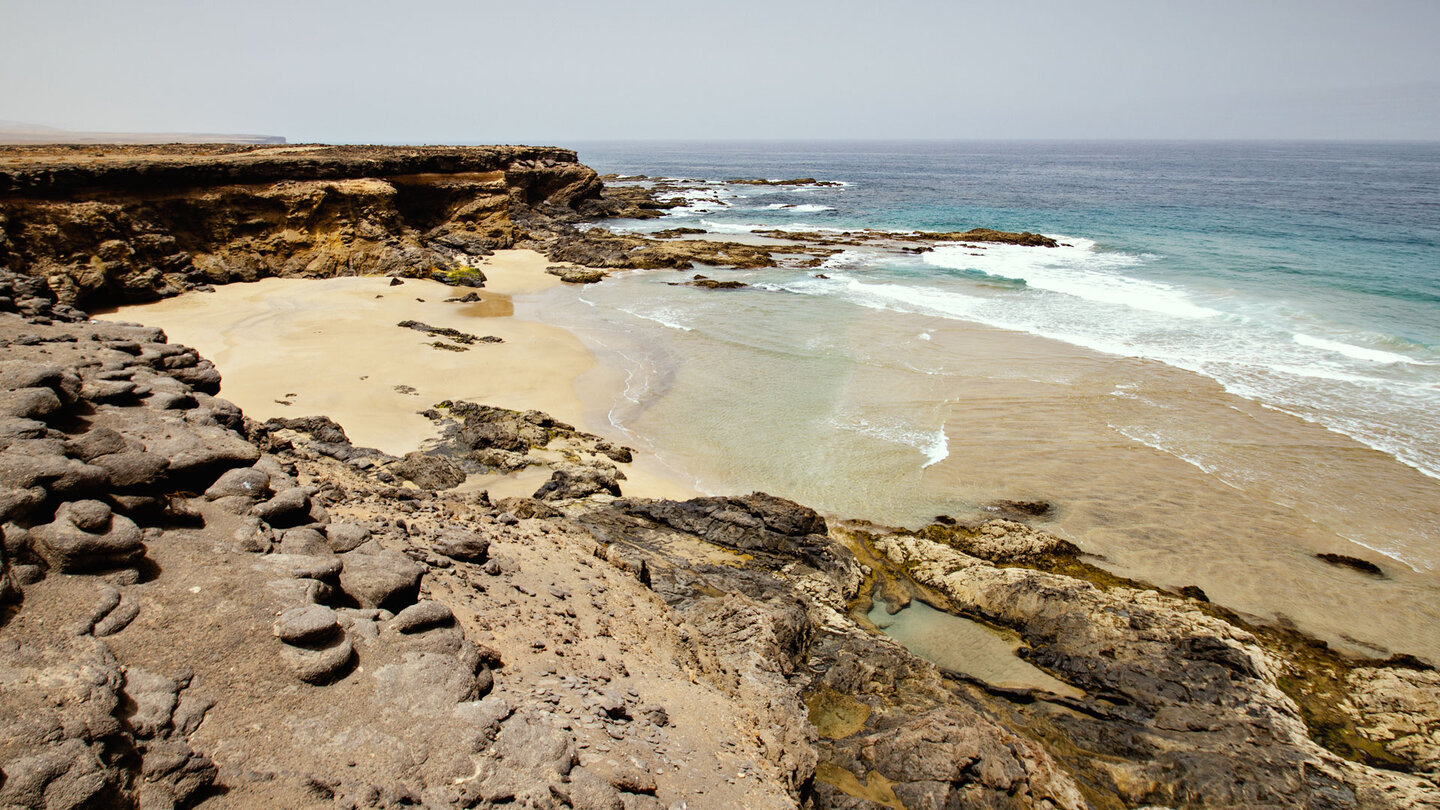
x=204, y=610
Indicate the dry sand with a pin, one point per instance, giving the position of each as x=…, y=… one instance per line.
x=302, y=347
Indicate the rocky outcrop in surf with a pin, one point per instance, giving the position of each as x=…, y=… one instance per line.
x=257, y=614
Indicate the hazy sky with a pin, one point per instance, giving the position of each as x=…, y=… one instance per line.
x=441, y=71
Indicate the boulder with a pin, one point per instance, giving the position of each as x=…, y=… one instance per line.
x=246, y=481
x=344, y=537
x=429, y=472
x=387, y=579
x=304, y=541
x=288, y=508
x=307, y=626
x=579, y=482
x=422, y=615
x=462, y=545
x=87, y=536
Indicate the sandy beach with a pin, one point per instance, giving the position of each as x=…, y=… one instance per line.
x=301, y=347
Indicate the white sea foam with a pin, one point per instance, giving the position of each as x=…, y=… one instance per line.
x=1079, y=271
x=665, y=317
x=934, y=445
x=1357, y=352
x=802, y=208
x=924, y=336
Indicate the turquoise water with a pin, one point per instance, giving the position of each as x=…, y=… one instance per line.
x=1305, y=277
x=1231, y=366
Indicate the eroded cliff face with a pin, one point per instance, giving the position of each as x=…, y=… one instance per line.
x=112, y=224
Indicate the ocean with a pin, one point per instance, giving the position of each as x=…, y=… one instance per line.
x=1232, y=362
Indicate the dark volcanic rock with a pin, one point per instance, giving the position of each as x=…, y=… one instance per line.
x=429, y=472
x=756, y=522
x=579, y=482
x=1363, y=566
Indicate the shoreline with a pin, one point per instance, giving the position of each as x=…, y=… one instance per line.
x=1033, y=419
x=307, y=347
x=525, y=649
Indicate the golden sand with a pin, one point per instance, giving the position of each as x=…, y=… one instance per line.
x=304, y=347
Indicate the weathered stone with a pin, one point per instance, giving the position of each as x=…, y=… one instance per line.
x=422, y=615
x=579, y=482
x=304, y=541
x=246, y=481
x=99, y=441
x=387, y=579
x=287, y=508
x=462, y=545
x=133, y=468
x=22, y=468
x=307, y=626
x=321, y=665
x=344, y=537
x=28, y=403
x=85, y=536
x=429, y=472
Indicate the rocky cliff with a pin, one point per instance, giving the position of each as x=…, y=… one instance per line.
x=108, y=224
x=200, y=610
x=197, y=609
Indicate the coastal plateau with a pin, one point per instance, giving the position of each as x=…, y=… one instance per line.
x=205, y=609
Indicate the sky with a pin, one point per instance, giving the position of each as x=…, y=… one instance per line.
x=567, y=71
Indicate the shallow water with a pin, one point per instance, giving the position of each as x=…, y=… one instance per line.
x=962, y=645
x=845, y=411
x=1232, y=367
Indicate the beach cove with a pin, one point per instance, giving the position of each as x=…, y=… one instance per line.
x=453, y=554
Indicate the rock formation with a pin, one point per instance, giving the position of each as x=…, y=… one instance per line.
x=198, y=609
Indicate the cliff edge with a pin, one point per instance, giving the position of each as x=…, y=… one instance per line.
x=113, y=224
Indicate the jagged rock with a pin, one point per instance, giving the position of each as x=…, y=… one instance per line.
x=1355, y=563
x=758, y=522
x=579, y=482
x=1001, y=541
x=577, y=275
x=429, y=472
x=517, y=509
x=462, y=545
x=386, y=579
x=86, y=536
x=322, y=428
